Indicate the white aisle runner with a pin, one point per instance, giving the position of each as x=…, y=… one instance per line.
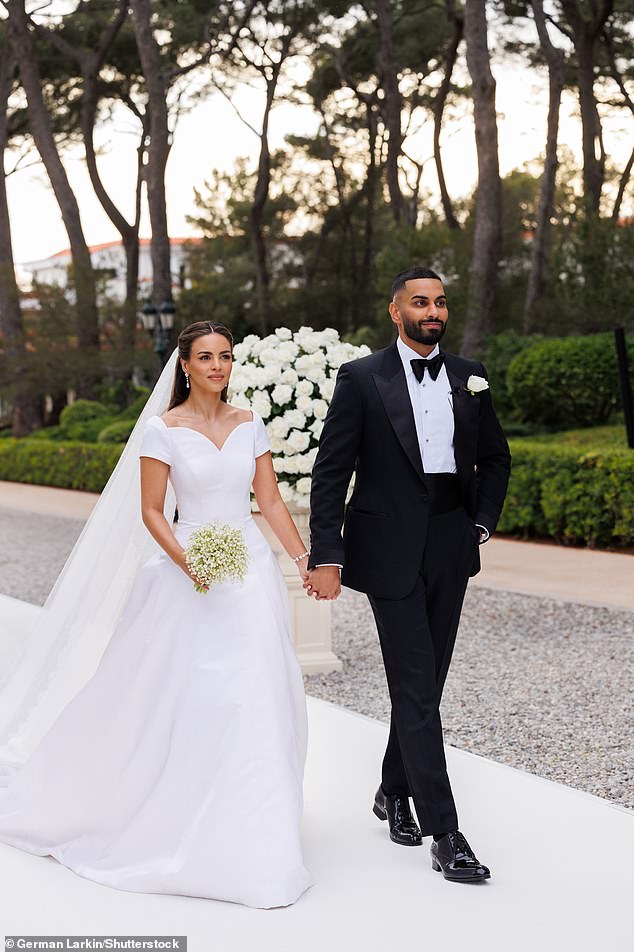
x=560, y=861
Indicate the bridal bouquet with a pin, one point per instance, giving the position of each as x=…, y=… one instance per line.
x=289, y=378
x=216, y=553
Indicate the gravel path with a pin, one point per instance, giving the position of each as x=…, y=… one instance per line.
x=534, y=683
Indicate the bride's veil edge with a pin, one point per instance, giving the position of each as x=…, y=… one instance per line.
x=71, y=631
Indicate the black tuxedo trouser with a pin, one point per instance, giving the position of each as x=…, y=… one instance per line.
x=417, y=635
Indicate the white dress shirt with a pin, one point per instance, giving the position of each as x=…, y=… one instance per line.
x=432, y=404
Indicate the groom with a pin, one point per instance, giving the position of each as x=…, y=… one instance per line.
x=417, y=427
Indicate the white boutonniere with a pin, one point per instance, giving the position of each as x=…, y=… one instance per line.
x=476, y=384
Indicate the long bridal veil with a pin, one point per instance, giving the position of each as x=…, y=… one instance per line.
x=70, y=633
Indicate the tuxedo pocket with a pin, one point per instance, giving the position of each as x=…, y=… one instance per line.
x=364, y=532
x=365, y=512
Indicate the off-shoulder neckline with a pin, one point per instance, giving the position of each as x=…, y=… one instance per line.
x=191, y=429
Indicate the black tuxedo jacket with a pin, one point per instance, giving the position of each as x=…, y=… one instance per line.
x=370, y=430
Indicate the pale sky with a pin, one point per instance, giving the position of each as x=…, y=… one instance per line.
x=211, y=136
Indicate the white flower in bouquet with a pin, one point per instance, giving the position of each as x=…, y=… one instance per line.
x=304, y=403
x=282, y=393
x=271, y=355
x=328, y=388
x=261, y=403
x=286, y=491
x=302, y=486
x=291, y=466
x=296, y=418
x=240, y=401
x=287, y=351
x=288, y=378
x=306, y=461
x=320, y=409
x=304, y=388
x=216, y=553
x=297, y=441
x=278, y=428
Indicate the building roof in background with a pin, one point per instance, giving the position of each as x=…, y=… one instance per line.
x=143, y=242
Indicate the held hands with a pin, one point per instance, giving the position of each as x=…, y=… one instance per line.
x=324, y=582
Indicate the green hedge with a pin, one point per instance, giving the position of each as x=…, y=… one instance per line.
x=570, y=494
x=575, y=497
x=84, y=466
x=566, y=381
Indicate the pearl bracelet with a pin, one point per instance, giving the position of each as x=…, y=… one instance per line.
x=302, y=556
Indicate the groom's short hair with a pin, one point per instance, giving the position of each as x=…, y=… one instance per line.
x=411, y=274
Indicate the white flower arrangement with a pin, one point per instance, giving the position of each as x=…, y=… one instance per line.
x=289, y=378
x=216, y=553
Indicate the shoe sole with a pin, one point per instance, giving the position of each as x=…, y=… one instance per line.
x=382, y=815
x=451, y=879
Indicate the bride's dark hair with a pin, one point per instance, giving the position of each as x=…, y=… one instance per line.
x=186, y=338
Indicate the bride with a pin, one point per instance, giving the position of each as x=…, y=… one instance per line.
x=178, y=766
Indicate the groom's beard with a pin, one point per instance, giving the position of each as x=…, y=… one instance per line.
x=423, y=333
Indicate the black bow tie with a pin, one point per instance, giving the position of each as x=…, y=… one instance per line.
x=433, y=366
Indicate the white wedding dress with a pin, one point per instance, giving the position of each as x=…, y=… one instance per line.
x=178, y=767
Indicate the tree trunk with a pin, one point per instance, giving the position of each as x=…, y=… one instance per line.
x=367, y=264
x=438, y=110
x=585, y=32
x=541, y=239
x=593, y=161
x=256, y=216
x=42, y=132
x=392, y=106
x=129, y=232
x=488, y=210
x=26, y=414
x=90, y=64
x=623, y=182
x=158, y=149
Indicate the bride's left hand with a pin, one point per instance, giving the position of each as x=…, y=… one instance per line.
x=301, y=568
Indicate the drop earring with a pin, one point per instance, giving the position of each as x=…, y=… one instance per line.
x=187, y=380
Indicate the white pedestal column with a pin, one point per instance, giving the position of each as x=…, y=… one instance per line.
x=311, y=620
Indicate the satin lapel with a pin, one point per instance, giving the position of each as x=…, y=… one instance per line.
x=392, y=387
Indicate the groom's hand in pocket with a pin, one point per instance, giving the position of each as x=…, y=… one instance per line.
x=324, y=582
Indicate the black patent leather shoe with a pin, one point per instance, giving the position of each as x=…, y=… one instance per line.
x=453, y=857
x=396, y=810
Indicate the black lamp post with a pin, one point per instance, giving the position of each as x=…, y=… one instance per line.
x=158, y=324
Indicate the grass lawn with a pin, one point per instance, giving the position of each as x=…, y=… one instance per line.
x=610, y=437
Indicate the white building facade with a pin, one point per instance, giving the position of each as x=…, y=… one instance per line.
x=108, y=260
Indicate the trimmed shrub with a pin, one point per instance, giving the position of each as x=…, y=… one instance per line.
x=576, y=497
x=117, y=432
x=566, y=381
x=81, y=411
x=81, y=421
x=67, y=465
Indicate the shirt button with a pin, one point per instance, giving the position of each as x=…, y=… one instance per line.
x=426, y=411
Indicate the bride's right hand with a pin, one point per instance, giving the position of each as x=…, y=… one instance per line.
x=186, y=569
